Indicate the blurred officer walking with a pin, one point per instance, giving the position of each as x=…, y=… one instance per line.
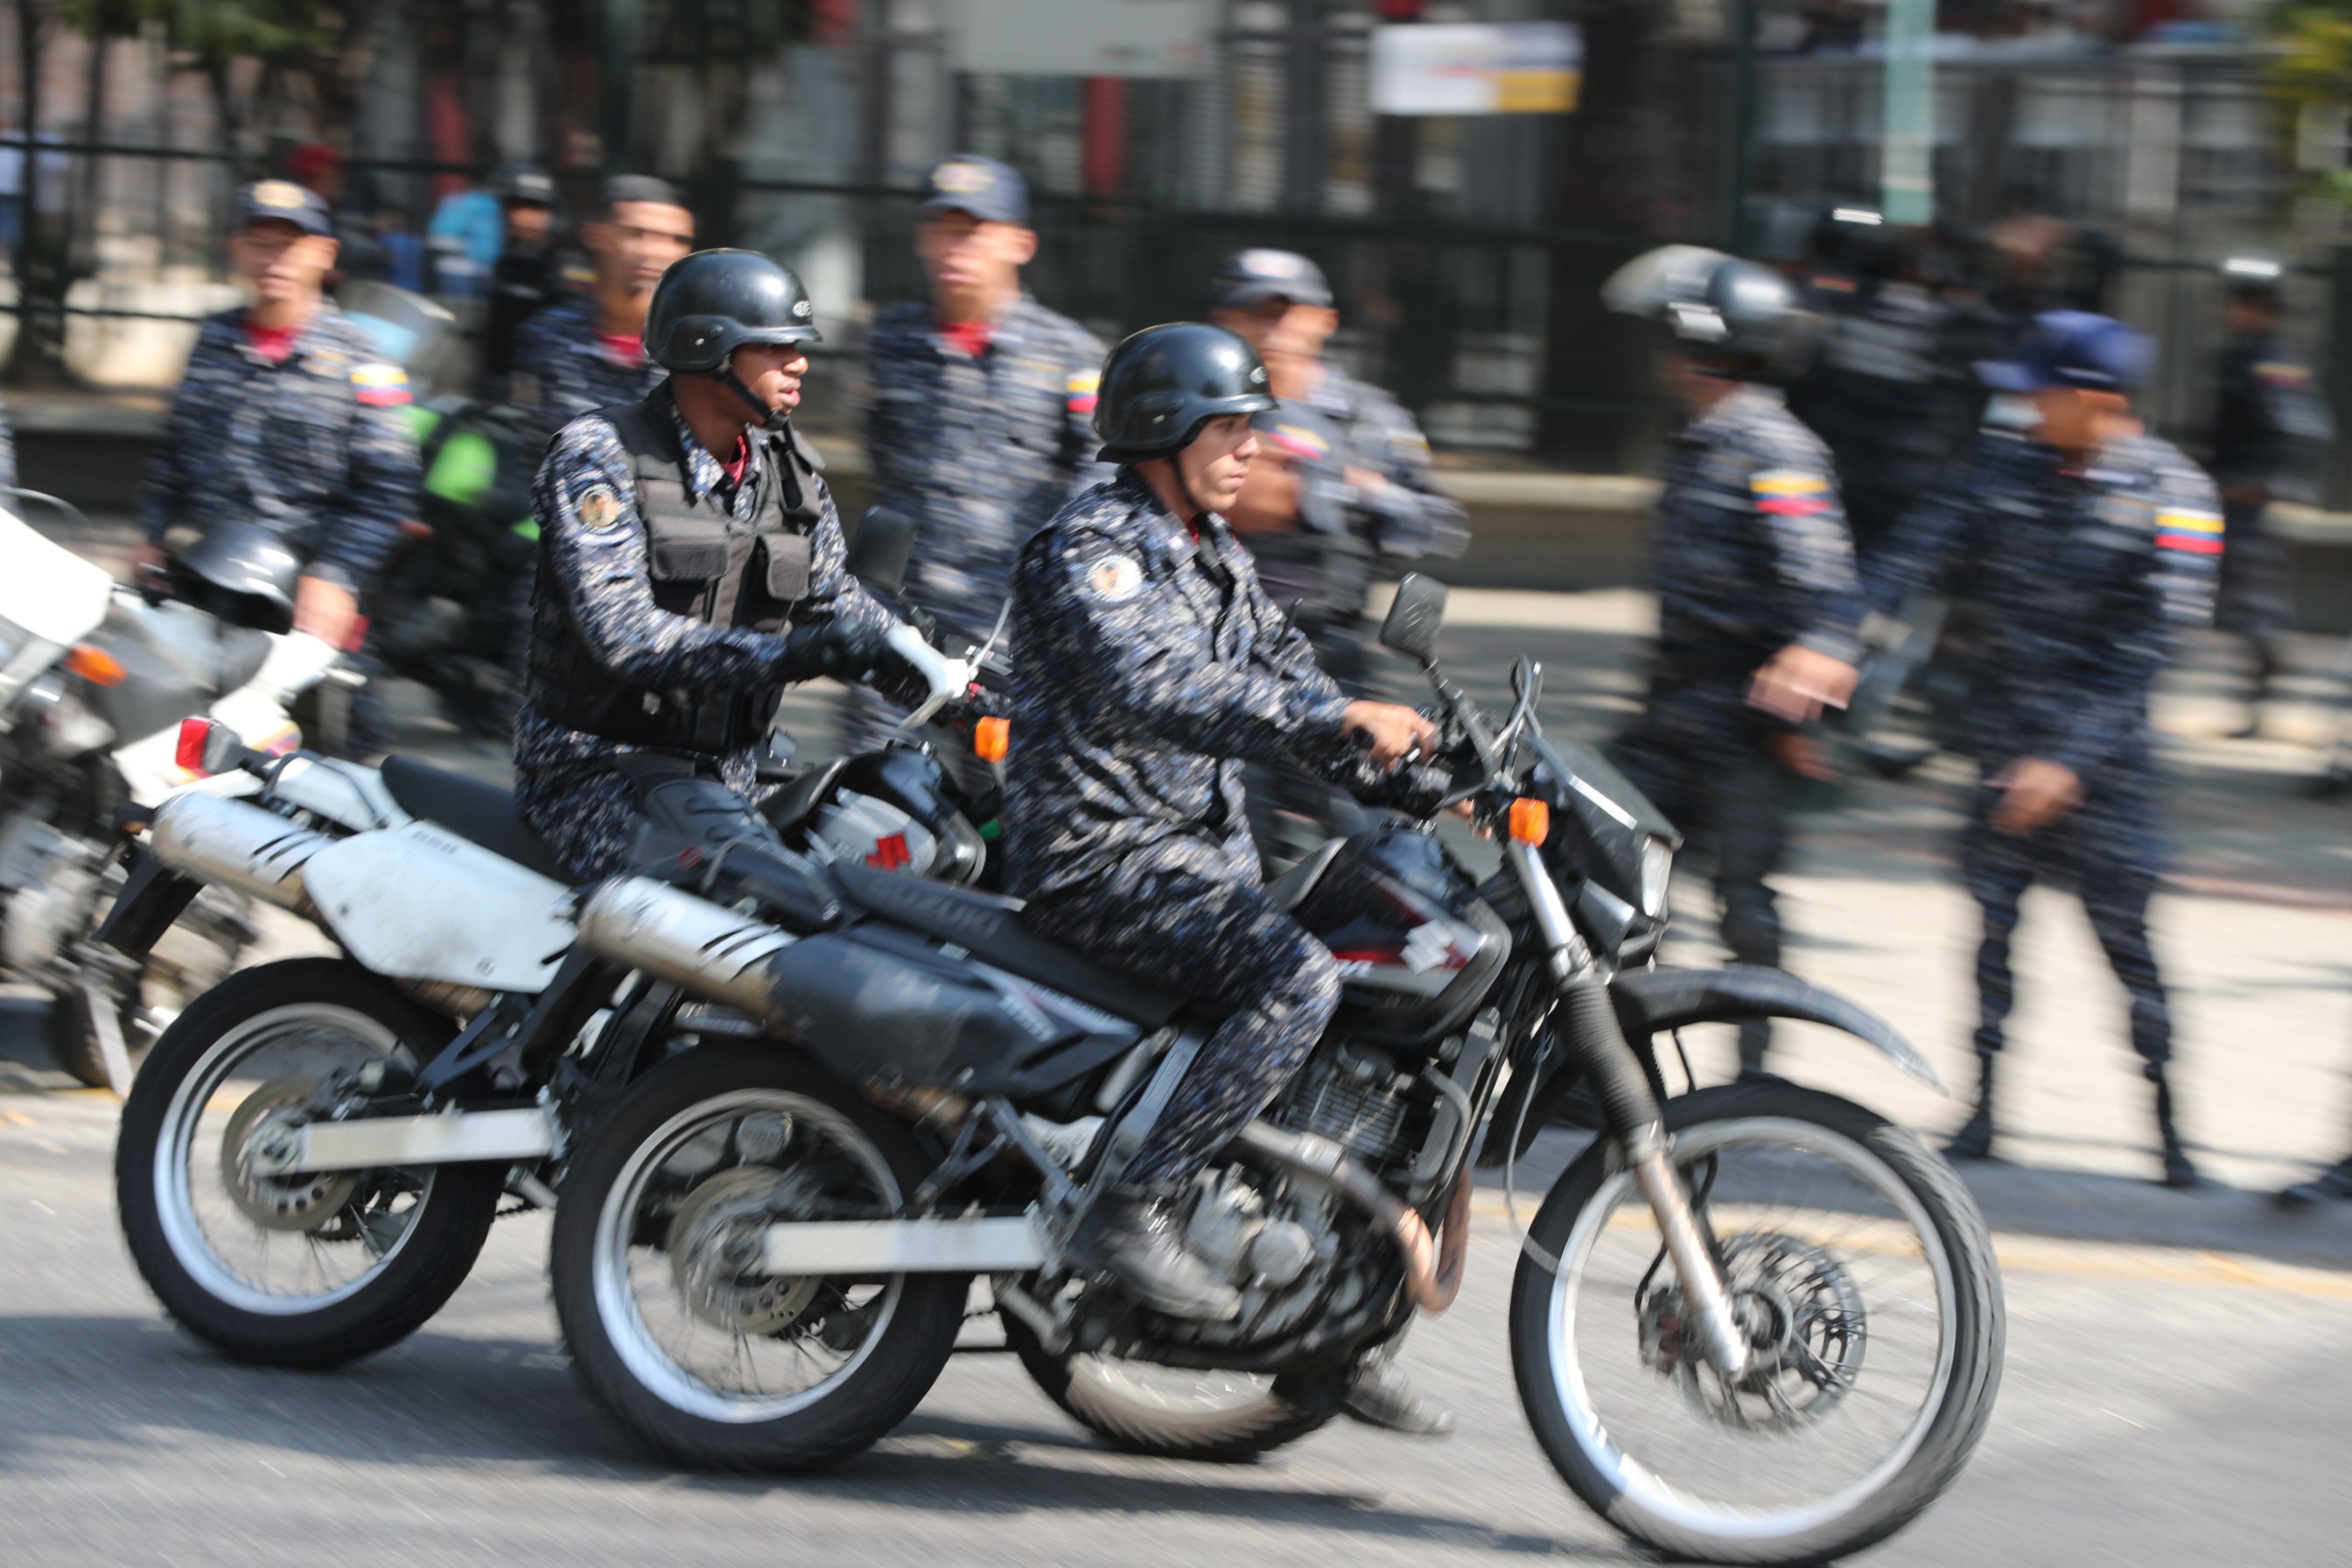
x=1342, y=478
x=529, y=273
x=691, y=568
x=588, y=352
x=1882, y=394
x=982, y=399
x=1757, y=598
x=2270, y=428
x=2084, y=548
x=287, y=417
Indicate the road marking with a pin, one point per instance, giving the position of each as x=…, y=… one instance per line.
x=18, y=1117
x=43, y=1207
x=271, y=1468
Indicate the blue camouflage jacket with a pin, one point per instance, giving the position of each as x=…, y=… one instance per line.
x=1409, y=517
x=562, y=369
x=2082, y=579
x=980, y=453
x=313, y=447
x=1147, y=668
x=595, y=581
x=1749, y=552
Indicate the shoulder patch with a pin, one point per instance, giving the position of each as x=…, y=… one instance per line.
x=600, y=509
x=380, y=384
x=2188, y=528
x=1080, y=389
x=1115, y=579
x=1796, y=492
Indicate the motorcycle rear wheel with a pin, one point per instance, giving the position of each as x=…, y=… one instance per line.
x=1167, y=1413
x=710, y=1359
x=1876, y=1263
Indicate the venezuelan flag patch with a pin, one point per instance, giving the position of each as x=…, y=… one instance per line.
x=1791, y=492
x=2198, y=532
x=1079, y=391
x=379, y=385
x=1300, y=442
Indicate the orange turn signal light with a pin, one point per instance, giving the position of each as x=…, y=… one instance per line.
x=990, y=739
x=1530, y=820
x=95, y=664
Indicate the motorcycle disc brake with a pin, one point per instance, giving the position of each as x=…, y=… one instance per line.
x=270, y=1118
x=717, y=1246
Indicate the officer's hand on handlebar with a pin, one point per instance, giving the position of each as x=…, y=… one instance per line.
x=147, y=564
x=328, y=611
x=1391, y=733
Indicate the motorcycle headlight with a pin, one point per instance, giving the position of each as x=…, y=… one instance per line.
x=1658, y=870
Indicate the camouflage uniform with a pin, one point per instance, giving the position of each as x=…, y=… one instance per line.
x=1147, y=668
x=8, y=450
x=979, y=453
x=1410, y=519
x=596, y=597
x=2080, y=581
x=1749, y=553
x=562, y=369
x=2270, y=424
x=313, y=447
x=1885, y=397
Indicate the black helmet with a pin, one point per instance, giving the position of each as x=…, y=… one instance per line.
x=1161, y=386
x=1741, y=317
x=712, y=303
x=240, y=573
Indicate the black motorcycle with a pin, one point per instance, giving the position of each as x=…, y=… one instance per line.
x=789, y=1108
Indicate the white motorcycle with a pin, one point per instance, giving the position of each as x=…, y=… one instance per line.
x=95, y=682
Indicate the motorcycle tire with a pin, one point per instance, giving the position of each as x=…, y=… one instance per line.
x=73, y=1035
x=1680, y=1524
x=186, y=1073
x=1090, y=1392
x=630, y=1159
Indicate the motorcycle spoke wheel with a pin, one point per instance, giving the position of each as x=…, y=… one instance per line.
x=279, y=1245
x=679, y=1270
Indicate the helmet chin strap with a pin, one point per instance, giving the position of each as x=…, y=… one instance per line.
x=774, y=421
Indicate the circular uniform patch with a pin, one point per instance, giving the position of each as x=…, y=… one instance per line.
x=1115, y=579
x=600, y=509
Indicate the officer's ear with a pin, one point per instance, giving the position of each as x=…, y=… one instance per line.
x=1020, y=244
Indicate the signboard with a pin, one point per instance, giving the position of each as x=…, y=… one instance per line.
x=1443, y=67
x=1082, y=37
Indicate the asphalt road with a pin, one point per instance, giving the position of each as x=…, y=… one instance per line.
x=2162, y=1407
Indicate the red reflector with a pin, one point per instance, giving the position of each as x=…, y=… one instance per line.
x=190, y=753
x=889, y=852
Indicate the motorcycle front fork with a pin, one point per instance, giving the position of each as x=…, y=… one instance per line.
x=1589, y=1027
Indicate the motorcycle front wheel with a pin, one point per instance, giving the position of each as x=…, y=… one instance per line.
x=298, y=1269
x=1865, y=1278
x=660, y=1278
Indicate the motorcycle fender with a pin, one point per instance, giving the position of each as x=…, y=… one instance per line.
x=1653, y=1001
x=416, y=902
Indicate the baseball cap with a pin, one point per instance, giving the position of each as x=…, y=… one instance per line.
x=523, y=183
x=2073, y=348
x=988, y=190
x=283, y=201
x=1250, y=277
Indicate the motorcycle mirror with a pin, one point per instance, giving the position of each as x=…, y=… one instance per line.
x=878, y=553
x=1414, y=617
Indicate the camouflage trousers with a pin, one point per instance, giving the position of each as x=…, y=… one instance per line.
x=2110, y=851
x=568, y=791
x=1222, y=942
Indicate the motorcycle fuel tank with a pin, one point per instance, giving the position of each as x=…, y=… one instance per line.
x=1416, y=945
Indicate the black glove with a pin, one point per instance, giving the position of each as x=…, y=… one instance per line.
x=845, y=650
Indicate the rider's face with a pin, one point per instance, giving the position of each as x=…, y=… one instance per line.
x=280, y=261
x=774, y=372
x=1217, y=462
x=634, y=246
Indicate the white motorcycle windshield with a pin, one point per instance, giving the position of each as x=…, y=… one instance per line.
x=47, y=589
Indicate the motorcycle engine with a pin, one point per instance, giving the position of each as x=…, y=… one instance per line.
x=51, y=878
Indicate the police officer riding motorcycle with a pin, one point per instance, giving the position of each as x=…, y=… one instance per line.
x=691, y=568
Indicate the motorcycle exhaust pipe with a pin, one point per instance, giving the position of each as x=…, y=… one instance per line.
x=1434, y=1279
x=704, y=948
x=231, y=844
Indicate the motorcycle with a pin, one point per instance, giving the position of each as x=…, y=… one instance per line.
x=786, y=1109
x=95, y=683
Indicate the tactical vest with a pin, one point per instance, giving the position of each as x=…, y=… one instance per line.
x=705, y=566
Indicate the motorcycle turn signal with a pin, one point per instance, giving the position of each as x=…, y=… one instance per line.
x=1530, y=820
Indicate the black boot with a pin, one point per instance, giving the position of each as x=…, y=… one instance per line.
x=1138, y=1237
x=1755, y=1039
x=2332, y=1185
x=2178, y=1170
x=1381, y=1396
x=1974, y=1140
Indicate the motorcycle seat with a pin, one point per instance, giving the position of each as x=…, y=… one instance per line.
x=476, y=812
x=1290, y=889
x=989, y=928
